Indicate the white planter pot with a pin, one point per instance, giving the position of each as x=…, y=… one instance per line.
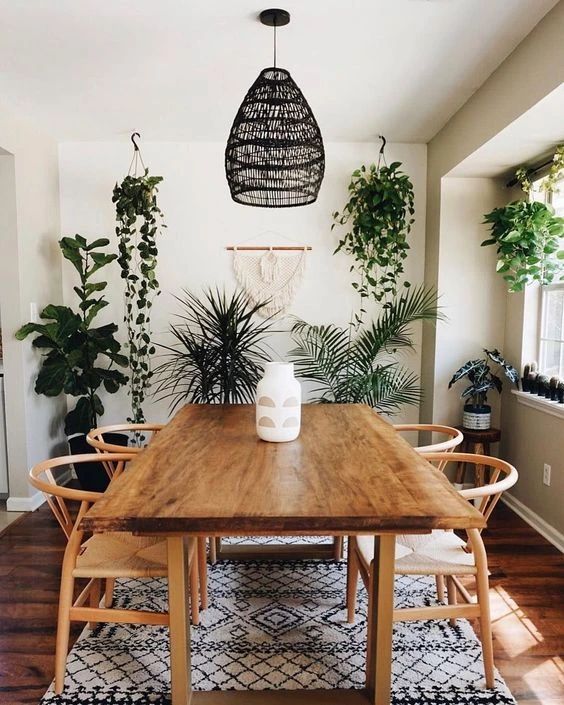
x=279, y=398
x=477, y=418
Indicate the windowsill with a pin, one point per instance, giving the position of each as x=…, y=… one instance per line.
x=553, y=408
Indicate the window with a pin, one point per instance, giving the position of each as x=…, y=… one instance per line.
x=551, y=339
x=551, y=357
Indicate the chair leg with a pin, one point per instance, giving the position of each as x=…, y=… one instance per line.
x=63, y=627
x=109, y=592
x=94, y=599
x=213, y=551
x=194, y=597
x=352, y=579
x=452, y=598
x=203, y=571
x=440, y=582
x=483, y=593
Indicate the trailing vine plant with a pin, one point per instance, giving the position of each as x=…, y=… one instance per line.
x=527, y=233
x=139, y=222
x=379, y=214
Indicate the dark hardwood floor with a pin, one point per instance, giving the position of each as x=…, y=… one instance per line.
x=527, y=592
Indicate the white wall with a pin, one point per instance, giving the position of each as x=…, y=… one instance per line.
x=202, y=219
x=30, y=271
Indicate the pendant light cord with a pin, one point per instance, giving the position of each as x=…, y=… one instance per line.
x=274, y=25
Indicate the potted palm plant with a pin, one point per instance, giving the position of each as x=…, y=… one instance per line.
x=347, y=366
x=78, y=358
x=477, y=412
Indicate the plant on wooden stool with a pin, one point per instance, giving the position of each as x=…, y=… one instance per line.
x=477, y=413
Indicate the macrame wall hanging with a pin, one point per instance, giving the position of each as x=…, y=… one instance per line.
x=270, y=273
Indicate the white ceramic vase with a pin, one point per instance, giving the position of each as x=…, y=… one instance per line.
x=279, y=398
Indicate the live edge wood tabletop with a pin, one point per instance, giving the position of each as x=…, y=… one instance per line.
x=349, y=472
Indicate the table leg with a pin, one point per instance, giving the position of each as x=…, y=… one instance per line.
x=179, y=619
x=380, y=620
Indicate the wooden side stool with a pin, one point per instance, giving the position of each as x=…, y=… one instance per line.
x=476, y=441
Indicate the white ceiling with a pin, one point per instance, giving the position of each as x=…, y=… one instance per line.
x=178, y=69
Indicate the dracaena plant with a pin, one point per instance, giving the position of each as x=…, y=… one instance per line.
x=346, y=366
x=139, y=222
x=218, y=354
x=482, y=379
x=79, y=358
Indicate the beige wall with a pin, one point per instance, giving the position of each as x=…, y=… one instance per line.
x=30, y=271
x=530, y=438
x=472, y=294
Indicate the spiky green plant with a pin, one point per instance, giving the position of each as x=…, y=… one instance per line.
x=218, y=355
x=364, y=367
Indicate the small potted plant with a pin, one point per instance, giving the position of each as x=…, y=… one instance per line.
x=560, y=392
x=477, y=413
x=74, y=352
x=553, y=384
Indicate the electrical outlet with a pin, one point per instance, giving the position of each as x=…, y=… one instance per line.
x=546, y=474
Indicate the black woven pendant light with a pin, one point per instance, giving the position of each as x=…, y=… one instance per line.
x=274, y=156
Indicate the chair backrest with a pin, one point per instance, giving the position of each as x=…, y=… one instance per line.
x=454, y=438
x=502, y=475
x=140, y=433
x=42, y=477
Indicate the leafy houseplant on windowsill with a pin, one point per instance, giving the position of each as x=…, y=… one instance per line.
x=72, y=353
x=477, y=413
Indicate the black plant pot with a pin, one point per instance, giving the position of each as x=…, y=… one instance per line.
x=553, y=396
x=541, y=391
x=93, y=476
x=525, y=384
x=533, y=386
x=560, y=395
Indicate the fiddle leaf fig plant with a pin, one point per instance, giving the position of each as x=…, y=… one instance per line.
x=139, y=221
x=79, y=359
x=379, y=214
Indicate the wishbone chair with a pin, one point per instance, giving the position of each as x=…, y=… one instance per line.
x=101, y=557
x=444, y=553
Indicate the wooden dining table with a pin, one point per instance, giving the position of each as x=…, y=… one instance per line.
x=348, y=473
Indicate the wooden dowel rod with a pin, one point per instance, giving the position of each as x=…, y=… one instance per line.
x=255, y=248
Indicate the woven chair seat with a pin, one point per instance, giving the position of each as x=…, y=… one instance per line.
x=441, y=554
x=122, y=555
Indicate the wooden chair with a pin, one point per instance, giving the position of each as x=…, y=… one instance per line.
x=454, y=438
x=100, y=558
x=444, y=553
x=143, y=434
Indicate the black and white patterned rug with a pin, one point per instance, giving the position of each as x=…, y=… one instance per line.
x=276, y=625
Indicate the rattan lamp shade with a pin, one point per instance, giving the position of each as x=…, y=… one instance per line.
x=274, y=156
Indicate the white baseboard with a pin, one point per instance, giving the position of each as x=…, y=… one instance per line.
x=25, y=504
x=30, y=504
x=533, y=519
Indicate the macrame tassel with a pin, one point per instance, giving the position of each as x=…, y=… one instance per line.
x=269, y=268
x=270, y=277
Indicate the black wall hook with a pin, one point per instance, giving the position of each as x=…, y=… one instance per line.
x=383, y=143
x=135, y=145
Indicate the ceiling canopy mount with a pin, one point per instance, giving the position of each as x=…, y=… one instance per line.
x=275, y=17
